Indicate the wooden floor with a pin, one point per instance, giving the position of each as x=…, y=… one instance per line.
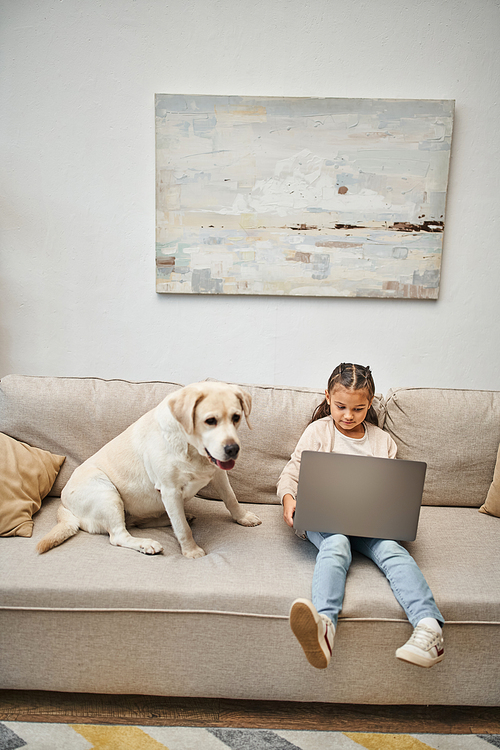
x=20, y=705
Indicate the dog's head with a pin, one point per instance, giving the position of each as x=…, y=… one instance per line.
x=210, y=414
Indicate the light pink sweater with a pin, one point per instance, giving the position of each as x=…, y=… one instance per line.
x=320, y=436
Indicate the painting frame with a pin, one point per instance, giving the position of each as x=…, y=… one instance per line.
x=301, y=196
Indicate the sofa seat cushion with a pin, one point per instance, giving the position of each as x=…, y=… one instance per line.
x=456, y=432
x=73, y=417
x=252, y=571
x=89, y=617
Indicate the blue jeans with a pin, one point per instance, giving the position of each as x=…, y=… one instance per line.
x=405, y=577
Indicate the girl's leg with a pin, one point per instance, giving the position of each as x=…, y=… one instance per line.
x=405, y=577
x=330, y=572
x=313, y=623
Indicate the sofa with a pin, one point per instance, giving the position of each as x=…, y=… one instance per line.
x=92, y=618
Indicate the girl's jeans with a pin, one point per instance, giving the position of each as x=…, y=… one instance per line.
x=405, y=577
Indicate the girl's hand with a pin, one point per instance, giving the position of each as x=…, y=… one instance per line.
x=289, y=504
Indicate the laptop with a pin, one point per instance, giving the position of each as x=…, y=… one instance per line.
x=359, y=495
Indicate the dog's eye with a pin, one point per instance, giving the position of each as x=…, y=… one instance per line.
x=236, y=418
x=211, y=421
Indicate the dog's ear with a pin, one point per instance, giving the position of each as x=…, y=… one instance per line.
x=183, y=405
x=246, y=403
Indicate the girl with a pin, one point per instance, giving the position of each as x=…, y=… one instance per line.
x=346, y=422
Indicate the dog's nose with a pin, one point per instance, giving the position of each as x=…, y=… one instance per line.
x=232, y=450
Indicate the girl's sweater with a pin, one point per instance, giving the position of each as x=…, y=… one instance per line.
x=320, y=436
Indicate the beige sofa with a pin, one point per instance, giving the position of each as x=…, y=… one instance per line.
x=89, y=617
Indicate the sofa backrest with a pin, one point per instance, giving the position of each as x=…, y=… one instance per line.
x=73, y=417
x=456, y=432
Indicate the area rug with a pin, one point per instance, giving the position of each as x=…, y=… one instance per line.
x=48, y=736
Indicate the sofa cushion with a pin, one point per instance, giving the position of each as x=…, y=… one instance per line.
x=491, y=506
x=279, y=416
x=456, y=432
x=249, y=570
x=74, y=417
x=26, y=477
x=218, y=625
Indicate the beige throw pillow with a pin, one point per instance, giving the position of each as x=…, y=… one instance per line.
x=26, y=477
x=491, y=505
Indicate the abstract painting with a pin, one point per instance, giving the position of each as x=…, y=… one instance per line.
x=301, y=196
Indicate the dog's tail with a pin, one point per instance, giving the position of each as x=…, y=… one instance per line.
x=67, y=525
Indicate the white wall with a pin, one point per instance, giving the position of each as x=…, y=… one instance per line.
x=77, y=294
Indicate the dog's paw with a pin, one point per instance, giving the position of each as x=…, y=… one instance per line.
x=249, y=519
x=193, y=552
x=150, y=547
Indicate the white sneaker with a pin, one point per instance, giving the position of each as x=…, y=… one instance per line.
x=425, y=647
x=314, y=632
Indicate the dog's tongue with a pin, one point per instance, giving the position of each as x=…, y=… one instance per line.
x=225, y=465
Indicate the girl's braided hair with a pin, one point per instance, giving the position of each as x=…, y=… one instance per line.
x=353, y=378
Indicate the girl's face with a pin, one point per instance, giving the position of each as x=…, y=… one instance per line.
x=348, y=409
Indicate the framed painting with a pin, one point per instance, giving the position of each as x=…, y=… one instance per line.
x=301, y=196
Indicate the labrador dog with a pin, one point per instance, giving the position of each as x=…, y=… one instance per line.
x=152, y=468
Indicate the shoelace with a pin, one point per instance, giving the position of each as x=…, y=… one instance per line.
x=424, y=638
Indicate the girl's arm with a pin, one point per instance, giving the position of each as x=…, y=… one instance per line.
x=316, y=437
x=393, y=448
x=289, y=477
x=382, y=443
x=289, y=504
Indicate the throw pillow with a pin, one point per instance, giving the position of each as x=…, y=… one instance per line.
x=26, y=477
x=491, y=505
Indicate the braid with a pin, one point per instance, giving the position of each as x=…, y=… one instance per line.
x=323, y=410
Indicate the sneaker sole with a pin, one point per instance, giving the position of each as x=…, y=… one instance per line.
x=305, y=629
x=417, y=660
